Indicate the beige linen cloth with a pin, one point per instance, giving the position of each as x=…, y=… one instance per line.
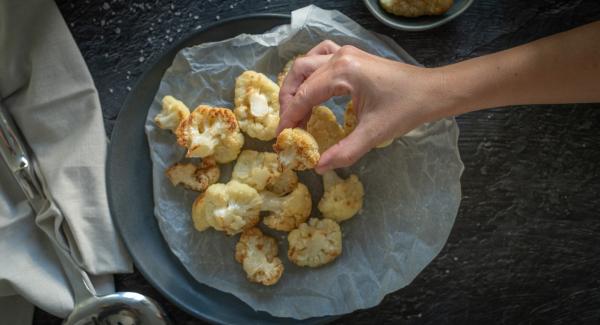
x=47, y=88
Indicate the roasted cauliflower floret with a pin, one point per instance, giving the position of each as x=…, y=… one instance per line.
x=343, y=198
x=323, y=126
x=256, y=169
x=286, y=69
x=257, y=105
x=231, y=207
x=416, y=8
x=350, y=122
x=284, y=184
x=173, y=112
x=194, y=177
x=287, y=212
x=315, y=243
x=211, y=131
x=258, y=255
x=296, y=149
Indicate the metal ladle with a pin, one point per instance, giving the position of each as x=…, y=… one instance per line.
x=121, y=308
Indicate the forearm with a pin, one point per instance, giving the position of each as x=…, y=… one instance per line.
x=563, y=68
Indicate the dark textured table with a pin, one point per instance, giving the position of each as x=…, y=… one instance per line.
x=526, y=244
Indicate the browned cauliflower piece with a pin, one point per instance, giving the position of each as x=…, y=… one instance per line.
x=416, y=8
x=173, y=112
x=342, y=199
x=315, y=243
x=284, y=184
x=350, y=122
x=211, y=131
x=194, y=177
x=257, y=105
x=231, y=208
x=256, y=169
x=296, y=149
x=287, y=212
x=323, y=126
x=258, y=255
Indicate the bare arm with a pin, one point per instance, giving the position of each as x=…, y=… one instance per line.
x=392, y=98
x=563, y=68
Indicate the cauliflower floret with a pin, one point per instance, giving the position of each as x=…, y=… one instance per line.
x=316, y=243
x=286, y=69
x=323, y=126
x=416, y=8
x=256, y=169
x=296, y=149
x=198, y=216
x=231, y=207
x=211, y=131
x=287, y=212
x=173, y=112
x=258, y=255
x=350, y=122
x=284, y=184
x=257, y=105
x=342, y=199
x=194, y=177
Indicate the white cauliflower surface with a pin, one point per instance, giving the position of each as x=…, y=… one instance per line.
x=343, y=198
x=173, y=112
x=258, y=255
x=211, y=131
x=296, y=149
x=231, y=208
x=288, y=211
x=315, y=243
x=257, y=105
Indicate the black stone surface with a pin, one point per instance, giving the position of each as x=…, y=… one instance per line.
x=526, y=244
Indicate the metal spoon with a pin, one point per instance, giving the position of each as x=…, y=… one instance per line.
x=121, y=308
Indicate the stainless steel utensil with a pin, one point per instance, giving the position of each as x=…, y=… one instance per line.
x=121, y=308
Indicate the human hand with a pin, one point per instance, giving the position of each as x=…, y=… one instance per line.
x=390, y=97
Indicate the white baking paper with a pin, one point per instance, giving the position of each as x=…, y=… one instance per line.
x=412, y=188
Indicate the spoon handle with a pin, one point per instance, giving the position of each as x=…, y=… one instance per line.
x=15, y=153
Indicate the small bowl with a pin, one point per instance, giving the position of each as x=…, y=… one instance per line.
x=417, y=23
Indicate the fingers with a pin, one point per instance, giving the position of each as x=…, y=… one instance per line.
x=324, y=48
x=346, y=152
x=301, y=69
x=319, y=87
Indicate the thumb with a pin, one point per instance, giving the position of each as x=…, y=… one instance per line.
x=347, y=151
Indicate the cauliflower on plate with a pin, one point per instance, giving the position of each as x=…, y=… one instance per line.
x=194, y=177
x=211, y=131
x=173, y=112
x=231, y=208
x=258, y=255
x=256, y=169
x=350, y=122
x=342, y=199
x=323, y=126
x=315, y=243
x=286, y=212
x=284, y=184
x=257, y=105
x=296, y=149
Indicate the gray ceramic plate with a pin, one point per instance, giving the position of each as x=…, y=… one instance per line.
x=129, y=177
x=418, y=23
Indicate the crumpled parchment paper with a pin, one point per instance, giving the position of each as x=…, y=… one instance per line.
x=412, y=187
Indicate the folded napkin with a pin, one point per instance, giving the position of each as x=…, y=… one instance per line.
x=47, y=88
